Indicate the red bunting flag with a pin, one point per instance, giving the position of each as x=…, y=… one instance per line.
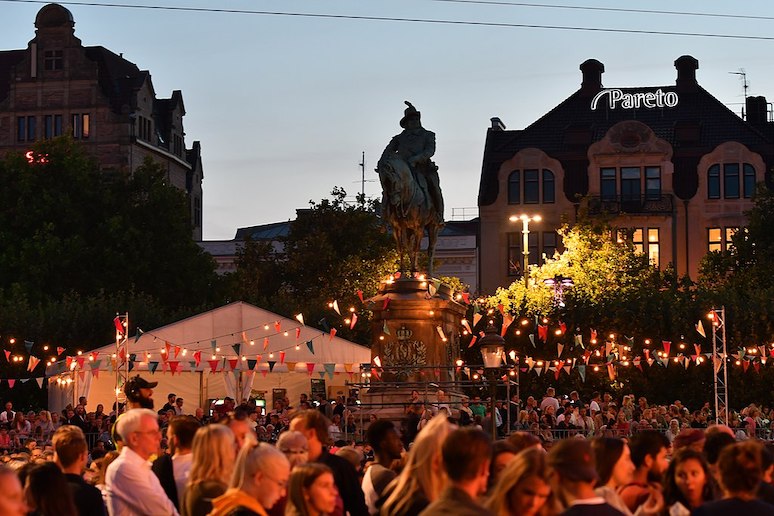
x=352, y=321
x=667, y=346
x=333, y=333
x=173, y=365
x=697, y=348
x=81, y=359
x=232, y=363
x=197, y=357
x=119, y=325
x=298, y=333
x=68, y=362
x=177, y=351
x=7, y=355
x=543, y=332
x=94, y=356
x=745, y=365
x=563, y=327
x=213, y=364
x=265, y=343
x=278, y=326
x=466, y=297
x=264, y=372
x=360, y=295
x=59, y=350
x=11, y=383
x=282, y=357
x=385, y=303
x=310, y=368
x=473, y=341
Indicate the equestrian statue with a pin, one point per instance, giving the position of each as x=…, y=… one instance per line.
x=411, y=192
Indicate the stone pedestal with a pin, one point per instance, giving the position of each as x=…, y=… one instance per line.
x=415, y=337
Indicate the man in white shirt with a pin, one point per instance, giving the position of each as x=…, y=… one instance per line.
x=173, y=468
x=549, y=399
x=132, y=488
x=7, y=415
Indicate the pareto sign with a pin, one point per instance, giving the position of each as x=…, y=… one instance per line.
x=642, y=99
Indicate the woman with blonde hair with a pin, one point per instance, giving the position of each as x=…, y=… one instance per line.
x=311, y=491
x=423, y=478
x=523, y=487
x=213, y=462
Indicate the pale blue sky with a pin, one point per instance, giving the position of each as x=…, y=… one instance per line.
x=284, y=105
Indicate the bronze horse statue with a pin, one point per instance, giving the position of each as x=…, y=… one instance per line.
x=406, y=209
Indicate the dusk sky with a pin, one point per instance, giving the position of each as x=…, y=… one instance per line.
x=284, y=105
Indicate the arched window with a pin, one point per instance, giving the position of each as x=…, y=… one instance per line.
x=548, y=186
x=514, y=187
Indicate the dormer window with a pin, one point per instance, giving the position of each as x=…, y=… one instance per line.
x=53, y=60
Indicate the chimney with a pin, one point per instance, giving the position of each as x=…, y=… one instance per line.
x=686, y=73
x=757, y=111
x=497, y=124
x=592, y=71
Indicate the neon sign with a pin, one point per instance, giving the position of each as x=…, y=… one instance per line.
x=649, y=99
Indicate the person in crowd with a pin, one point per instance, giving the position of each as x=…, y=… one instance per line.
x=47, y=491
x=170, y=404
x=714, y=443
x=213, y=452
x=503, y=452
x=522, y=487
x=20, y=425
x=173, y=468
x=237, y=422
x=466, y=413
x=70, y=454
x=139, y=393
x=311, y=491
x=422, y=479
x=689, y=438
x=334, y=428
x=201, y=416
x=466, y=456
x=314, y=426
x=549, y=400
x=649, y=451
x=354, y=456
x=387, y=447
x=260, y=478
x=99, y=480
x=687, y=483
x=615, y=468
x=45, y=423
x=12, y=501
x=132, y=488
x=7, y=415
x=572, y=476
x=740, y=477
x=179, y=411
x=766, y=489
x=295, y=448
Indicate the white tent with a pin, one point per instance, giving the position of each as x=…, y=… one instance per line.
x=236, y=350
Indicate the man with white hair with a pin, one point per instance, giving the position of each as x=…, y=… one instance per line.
x=132, y=488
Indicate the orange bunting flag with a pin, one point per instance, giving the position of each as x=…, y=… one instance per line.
x=278, y=326
x=543, y=332
x=352, y=321
x=473, y=341
x=265, y=343
x=476, y=318
x=700, y=329
x=360, y=295
x=697, y=348
x=333, y=333
x=177, y=351
x=501, y=308
x=611, y=371
x=507, y=321
x=33, y=362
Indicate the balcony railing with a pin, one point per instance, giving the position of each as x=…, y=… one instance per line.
x=629, y=204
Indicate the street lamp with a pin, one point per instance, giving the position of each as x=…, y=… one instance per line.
x=525, y=220
x=493, y=353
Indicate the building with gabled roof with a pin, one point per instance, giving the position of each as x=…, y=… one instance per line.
x=57, y=86
x=672, y=165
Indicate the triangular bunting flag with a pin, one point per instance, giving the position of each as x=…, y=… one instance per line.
x=11, y=383
x=118, y=325
x=745, y=365
x=532, y=339
x=611, y=371
x=667, y=346
x=81, y=359
x=28, y=345
x=173, y=366
x=336, y=307
x=385, y=303
x=177, y=351
x=700, y=329
x=559, y=349
x=251, y=363
x=582, y=372
x=40, y=382
x=566, y=369
x=352, y=321
x=8, y=355
x=265, y=343
x=757, y=367
x=330, y=369
x=264, y=372
x=300, y=318
x=213, y=364
x=237, y=348
x=507, y=321
x=476, y=318
x=386, y=328
x=278, y=326
x=60, y=350
x=440, y=333
x=232, y=363
x=579, y=340
x=197, y=357
x=310, y=345
x=538, y=370
x=282, y=357
x=359, y=295
x=138, y=335
x=310, y=368
x=153, y=365
x=333, y=333
x=32, y=363
x=291, y=366
x=167, y=347
x=271, y=364
x=543, y=332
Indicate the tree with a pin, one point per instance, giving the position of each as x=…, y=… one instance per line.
x=333, y=250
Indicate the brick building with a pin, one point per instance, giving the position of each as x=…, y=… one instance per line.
x=674, y=168
x=57, y=86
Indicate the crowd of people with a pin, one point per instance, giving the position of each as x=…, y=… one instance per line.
x=232, y=460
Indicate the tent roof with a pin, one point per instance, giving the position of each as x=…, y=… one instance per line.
x=244, y=327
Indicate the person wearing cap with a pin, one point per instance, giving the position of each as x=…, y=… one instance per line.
x=572, y=475
x=415, y=146
x=139, y=393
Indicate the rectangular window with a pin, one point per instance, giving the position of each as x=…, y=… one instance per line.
x=730, y=232
x=57, y=125
x=748, y=180
x=608, y=184
x=531, y=187
x=652, y=183
x=197, y=212
x=32, y=130
x=53, y=60
x=638, y=240
x=86, y=126
x=731, y=180
x=713, y=182
x=48, y=126
x=515, y=258
x=21, y=128
x=549, y=244
x=630, y=184
x=75, y=125
x=548, y=186
x=514, y=187
x=654, y=247
x=534, y=247
x=714, y=239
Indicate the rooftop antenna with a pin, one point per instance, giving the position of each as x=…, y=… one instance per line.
x=363, y=180
x=745, y=86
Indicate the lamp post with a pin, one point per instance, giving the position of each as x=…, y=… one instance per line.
x=492, y=352
x=525, y=220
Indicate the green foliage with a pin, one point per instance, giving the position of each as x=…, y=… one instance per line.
x=333, y=250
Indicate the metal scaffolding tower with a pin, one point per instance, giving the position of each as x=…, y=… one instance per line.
x=719, y=363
